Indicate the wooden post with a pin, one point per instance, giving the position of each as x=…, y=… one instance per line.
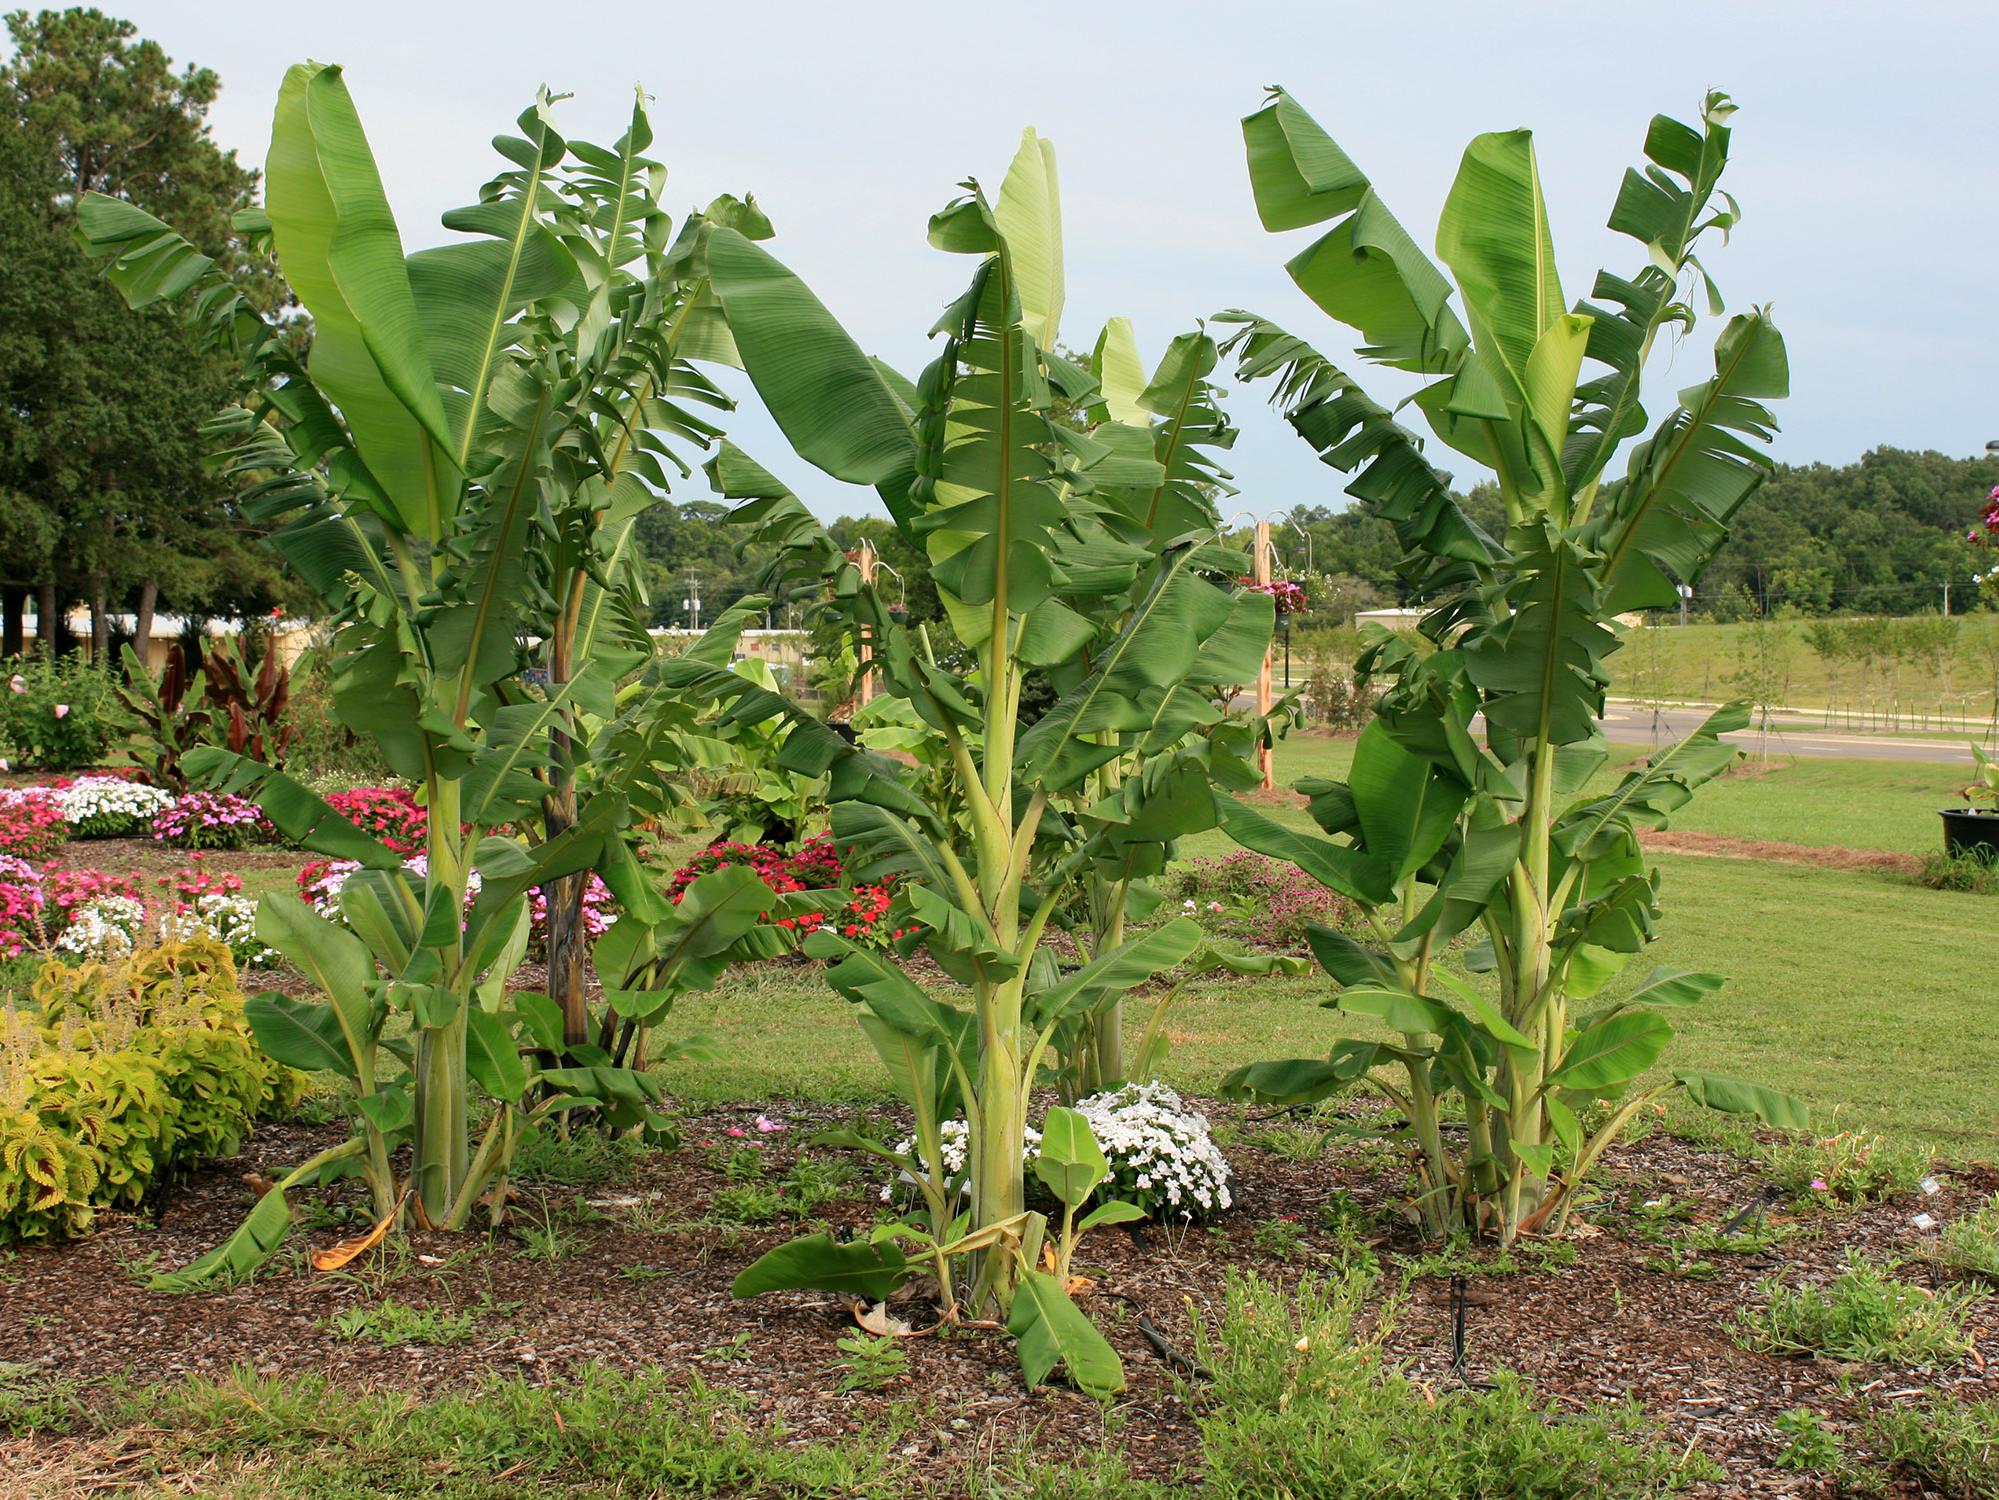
x=1262, y=576
x=865, y=687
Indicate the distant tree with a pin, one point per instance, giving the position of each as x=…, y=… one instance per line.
x=103, y=493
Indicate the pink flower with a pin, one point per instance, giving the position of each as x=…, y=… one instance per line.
x=19, y=683
x=62, y=710
x=737, y=1130
x=1818, y=1185
x=769, y=1126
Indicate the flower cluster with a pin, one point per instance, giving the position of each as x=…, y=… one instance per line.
x=103, y=807
x=193, y=881
x=1162, y=1155
x=21, y=897
x=1264, y=902
x=106, y=928
x=208, y=820
x=814, y=866
x=1986, y=532
x=389, y=813
x=597, y=913
x=32, y=827
x=1288, y=596
x=320, y=884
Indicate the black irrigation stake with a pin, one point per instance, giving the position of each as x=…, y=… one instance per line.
x=1459, y=1283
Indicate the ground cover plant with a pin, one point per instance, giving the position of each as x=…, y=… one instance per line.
x=1437, y=833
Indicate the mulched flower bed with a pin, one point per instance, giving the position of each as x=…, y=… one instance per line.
x=640, y=1285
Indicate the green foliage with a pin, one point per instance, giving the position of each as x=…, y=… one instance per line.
x=1303, y=1402
x=870, y=1363
x=393, y=1323
x=63, y=716
x=1864, y=1313
x=1948, y=1445
x=1971, y=871
x=165, y=716
x=123, y=1072
x=1854, y=1166
x=1969, y=1246
x=1808, y=1442
x=1436, y=832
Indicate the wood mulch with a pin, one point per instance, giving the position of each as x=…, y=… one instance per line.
x=1827, y=857
x=644, y=1285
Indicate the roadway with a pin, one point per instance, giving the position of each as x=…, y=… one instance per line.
x=1633, y=724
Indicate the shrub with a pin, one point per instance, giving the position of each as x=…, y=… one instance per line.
x=870, y=917
x=1947, y=1445
x=1260, y=901
x=208, y=820
x=321, y=744
x=56, y=714
x=127, y=1068
x=1863, y=1314
x=1303, y=1404
x=37, y=906
x=32, y=826
x=389, y=813
x=105, y=807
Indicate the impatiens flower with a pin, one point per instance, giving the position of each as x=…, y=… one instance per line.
x=19, y=683
x=769, y=1126
x=1818, y=1185
x=62, y=710
x=738, y=1131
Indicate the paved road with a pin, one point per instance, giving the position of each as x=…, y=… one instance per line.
x=1631, y=724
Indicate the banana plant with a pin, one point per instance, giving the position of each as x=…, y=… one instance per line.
x=1022, y=516
x=455, y=468
x=1438, y=832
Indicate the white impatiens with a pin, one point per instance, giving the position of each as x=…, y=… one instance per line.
x=104, y=928
x=106, y=806
x=219, y=914
x=110, y=926
x=1161, y=1154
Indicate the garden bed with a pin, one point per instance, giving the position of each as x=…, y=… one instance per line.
x=627, y=1264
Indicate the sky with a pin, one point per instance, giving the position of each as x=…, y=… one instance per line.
x=1864, y=158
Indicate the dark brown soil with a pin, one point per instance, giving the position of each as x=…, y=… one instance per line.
x=634, y=1290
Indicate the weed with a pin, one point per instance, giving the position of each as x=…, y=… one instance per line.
x=744, y=1164
x=1863, y=1314
x=639, y=1271
x=733, y=1348
x=1970, y=1246
x=1969, y=871
x=871, y=1363
x=1304, y=1403
x=1750, y=1239
x=1675, y=1260
x=1808, y=1442
x=1949, y=1446
x=550, y=1240
x=1850, y=1167
x=812, y=1183
x=32, y=1401
x=1280, y=1239
x=1460, y=1257
x=747, y=1203
x=394, y=1323
x=1295, y=1142
x=582, y=1158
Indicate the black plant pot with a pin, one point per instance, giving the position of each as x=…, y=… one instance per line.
x=1967, y=830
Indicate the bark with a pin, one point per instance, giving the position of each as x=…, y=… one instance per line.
x=48, y=629
x=142, y=634
x=13, y=605
x=100, y=622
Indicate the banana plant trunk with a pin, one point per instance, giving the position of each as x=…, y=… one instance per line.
x=564, y=897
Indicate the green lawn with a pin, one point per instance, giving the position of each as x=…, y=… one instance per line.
x=1865, y=994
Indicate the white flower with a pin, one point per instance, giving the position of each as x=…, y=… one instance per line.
x=105, y=928
x=110, y=800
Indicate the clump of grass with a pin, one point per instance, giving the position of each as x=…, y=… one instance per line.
x=1850, y=1167
x=1303, y=1403
x=1969, y=871
x=32, y=1401
x=1970, y=1246
x=747, y=1203
x=582, y=1158
x=392, y=1323
x=1808, y=1442
x=1460, y=1257
x=1950, y=1447
x=1863, y=1314
x=1676, y=1260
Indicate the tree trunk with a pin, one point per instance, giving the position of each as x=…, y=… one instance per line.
x=142, y=634
x=48, y=632
x=100, y=622
x=13, y=605
x=564, y=897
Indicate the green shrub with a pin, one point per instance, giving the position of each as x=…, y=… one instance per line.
x=1863, y=1314
x=121, y=1069
x=1950, y=1447
x=321, y=746
x=56, y=713
x=1303, y=1404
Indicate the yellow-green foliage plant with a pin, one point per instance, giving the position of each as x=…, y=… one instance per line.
x=118, y=1071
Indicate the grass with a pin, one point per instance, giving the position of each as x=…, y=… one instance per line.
x=1949, y=1446
x=1847, y=1014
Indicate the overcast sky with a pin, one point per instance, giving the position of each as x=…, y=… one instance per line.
x=1866, y=157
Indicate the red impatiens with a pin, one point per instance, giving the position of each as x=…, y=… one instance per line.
x=814, y=866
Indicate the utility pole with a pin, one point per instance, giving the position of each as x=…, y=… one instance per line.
x=692, y=603
x=1262, y=576
x=864, y=688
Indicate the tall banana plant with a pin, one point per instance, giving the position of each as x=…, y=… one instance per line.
x=1439, y=831
x=1026, y=521
x=456, y=467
